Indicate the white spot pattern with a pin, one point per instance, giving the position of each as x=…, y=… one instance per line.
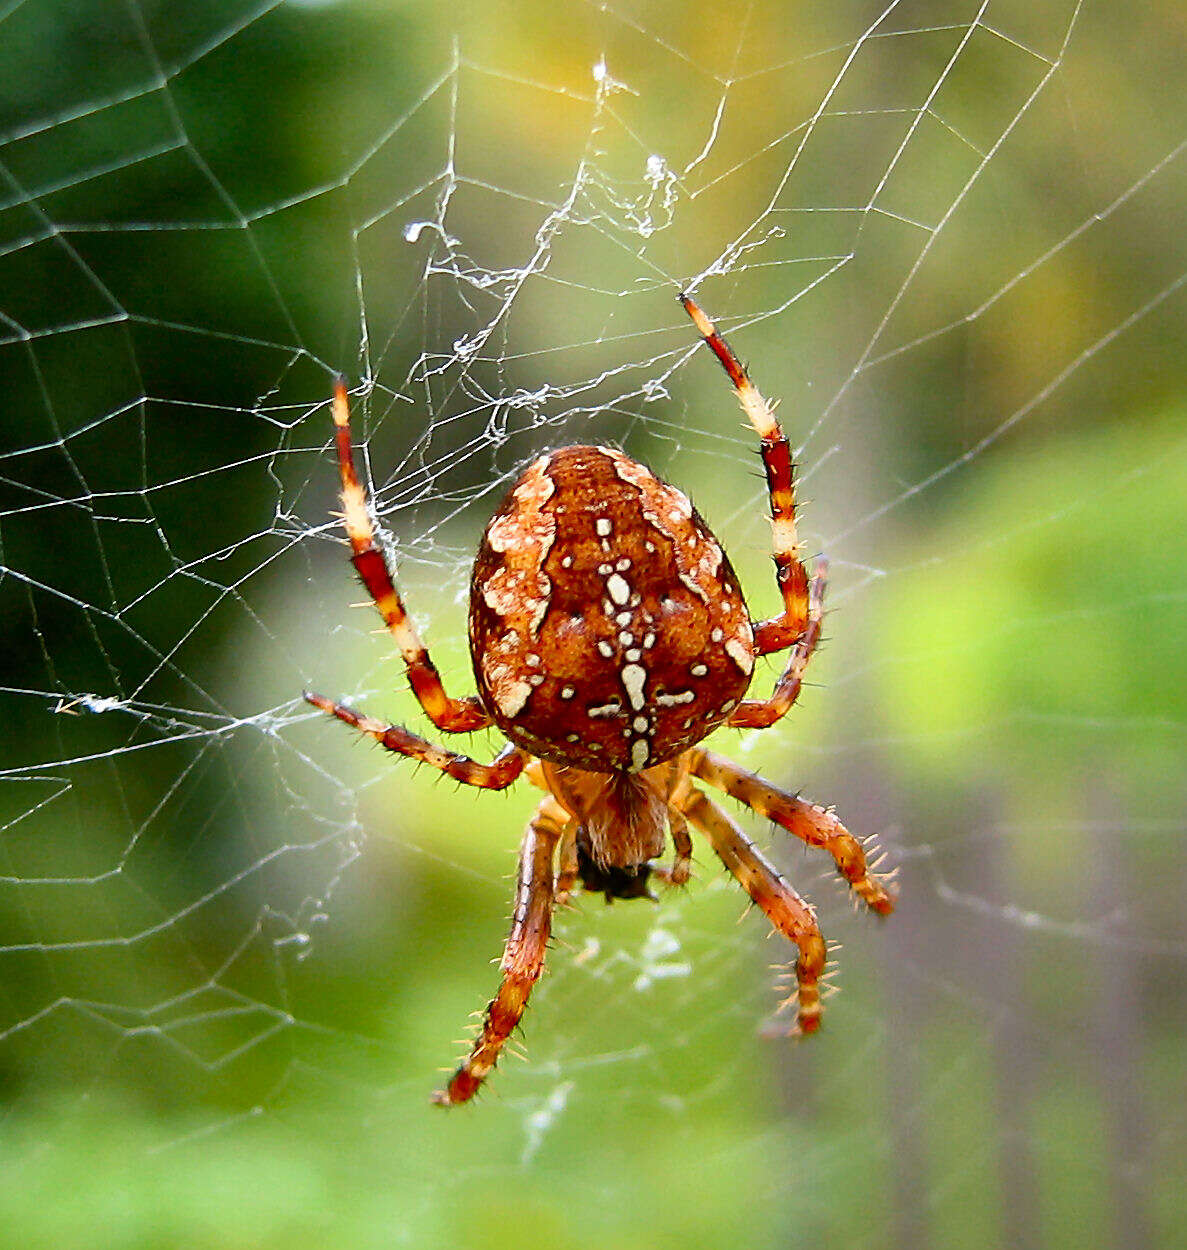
x=634, y=678
x=617, y=587
x=741, y=654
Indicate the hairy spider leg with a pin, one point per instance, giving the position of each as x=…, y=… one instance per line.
x=498, y=775
x=681, y=868
x=784, y=908
x=568, y=865
x=448, y=714
x=760, y=713
x=779, y=631
x=817, y=826
x=523, y=956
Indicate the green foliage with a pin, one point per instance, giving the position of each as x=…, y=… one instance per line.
x=1066, y=609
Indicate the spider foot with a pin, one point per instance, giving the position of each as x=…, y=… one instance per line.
x=778, y=1027
x=679, y=874
x=462, y=1088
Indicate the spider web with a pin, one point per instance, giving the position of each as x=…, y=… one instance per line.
x=235, y=946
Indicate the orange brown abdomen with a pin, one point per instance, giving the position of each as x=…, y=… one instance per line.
x=607, y=628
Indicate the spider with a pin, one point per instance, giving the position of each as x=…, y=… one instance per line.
x=608, y=637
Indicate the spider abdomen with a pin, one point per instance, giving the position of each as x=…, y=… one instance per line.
x=607, y=628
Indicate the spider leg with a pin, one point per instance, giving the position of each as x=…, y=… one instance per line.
x=681, y=868
x=568, y=866
x=448, y=714
x=784, y=908
x=506, y=767
x=523, y=956
x=816, y=826
x=779, y=631
x=760, y=713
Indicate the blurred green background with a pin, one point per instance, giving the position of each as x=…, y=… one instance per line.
x=236, y=947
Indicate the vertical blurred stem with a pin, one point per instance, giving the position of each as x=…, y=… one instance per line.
x=1116, y=1029
x=1015, y=1061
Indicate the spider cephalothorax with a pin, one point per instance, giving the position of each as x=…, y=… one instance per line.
x=609, y=636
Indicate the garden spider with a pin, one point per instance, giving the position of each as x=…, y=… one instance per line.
x=609, y=636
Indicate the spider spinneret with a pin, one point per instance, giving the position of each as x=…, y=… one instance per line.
x=609, y=636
